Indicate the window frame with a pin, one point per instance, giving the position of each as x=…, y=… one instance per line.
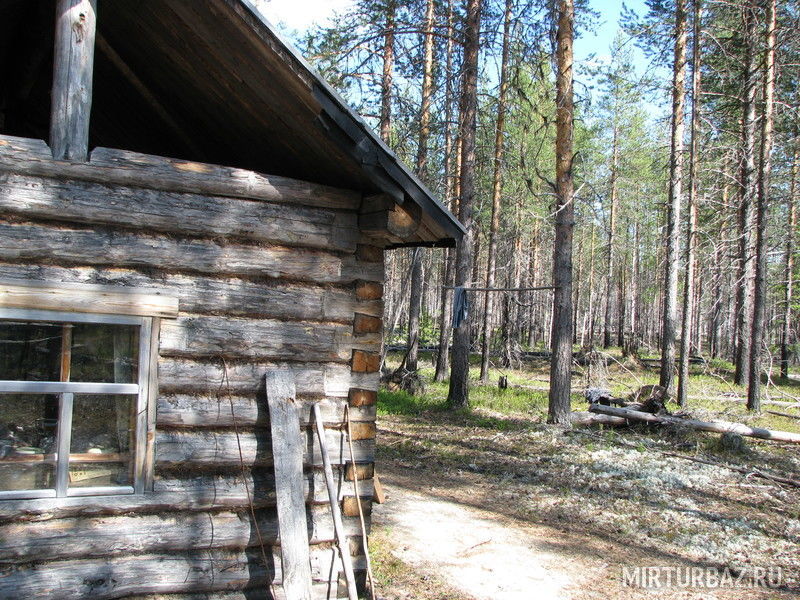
x=143, y=389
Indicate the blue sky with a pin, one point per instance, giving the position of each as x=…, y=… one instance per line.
x=298, y=15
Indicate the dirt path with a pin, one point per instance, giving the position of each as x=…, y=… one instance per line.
x=474, y=552
x=487, y=513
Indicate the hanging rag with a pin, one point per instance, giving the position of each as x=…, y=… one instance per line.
x=460, y=306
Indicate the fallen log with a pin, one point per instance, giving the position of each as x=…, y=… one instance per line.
x=581, y=418
x=782, y=414
x=714, y=427
x=744, y=401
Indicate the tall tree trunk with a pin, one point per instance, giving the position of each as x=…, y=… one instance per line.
x=497, y=191
x=764, y=169
x=458, y=394
x=670, y=309
x=415, y=293
x=747, y=190
x=588, y=325
x=691, y=213
x=561, y=338
x=443, y=356
x=612, y=226
x=788, y=268
x=388, y=68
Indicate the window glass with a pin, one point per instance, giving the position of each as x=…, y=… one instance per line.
x=30, y=351
x=104, y=353
x=27, y=441
x=103, y=428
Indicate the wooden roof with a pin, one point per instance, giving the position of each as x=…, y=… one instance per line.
x=209, y=81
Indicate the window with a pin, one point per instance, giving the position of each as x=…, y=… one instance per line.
x=73, y=403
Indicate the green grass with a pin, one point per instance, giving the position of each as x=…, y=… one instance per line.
x=526, y=398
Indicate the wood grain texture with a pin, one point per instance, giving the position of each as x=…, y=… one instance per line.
x=369, y=290
x=86, y=298
x=220, y=449
x=108, y=578
x=189, y=492
x=261, y=339
x=365, y=362
x=361, y=397
x=188, y=375
x=38, y=244
x=156, y=210
x=208, y=295
x=132, y=169
x=287, y=451
x=364, y=324
x=59, y=539
x=208, y=411
x=73, y=69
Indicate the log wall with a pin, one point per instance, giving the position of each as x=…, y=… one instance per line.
x=269, y=273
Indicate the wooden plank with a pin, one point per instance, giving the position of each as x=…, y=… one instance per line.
x=73, y=68
x=121, y=167
x=108, y=578
x=220, y=449
x=74, y=297
x=214, y=411
x=204, y=295
x=197, y=215
x=59, y=539
x=188, y=375
x=287, y=450
x=261, y=339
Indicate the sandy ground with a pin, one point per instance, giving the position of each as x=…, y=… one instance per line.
x=473, y=551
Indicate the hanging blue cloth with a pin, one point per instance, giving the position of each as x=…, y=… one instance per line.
x=460, y=306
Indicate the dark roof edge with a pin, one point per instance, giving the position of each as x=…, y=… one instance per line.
x=344, y=116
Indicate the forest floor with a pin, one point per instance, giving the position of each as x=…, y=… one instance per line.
x=494, y=504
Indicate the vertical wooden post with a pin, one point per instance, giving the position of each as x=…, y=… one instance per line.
x=73, y=66
x=287, y=452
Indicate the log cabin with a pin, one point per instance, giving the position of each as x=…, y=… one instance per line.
x=143, y=298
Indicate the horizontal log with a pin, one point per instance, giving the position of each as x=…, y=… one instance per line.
x=197, y=571
x=368, y=290
x=581, y=418
x=58, y=539
x=35, y=243
x=204, y=295
x=182, y=410
x=185, y=375
x=365, y=362
x=363, y=324
x=360, y=397
x=713, y=426
x=121, y=167
x=167, y=212
x=185, y=494
x=221, y=449
x=260, y=485
x=86, y=298
x=319, y=591
x=262, y=339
